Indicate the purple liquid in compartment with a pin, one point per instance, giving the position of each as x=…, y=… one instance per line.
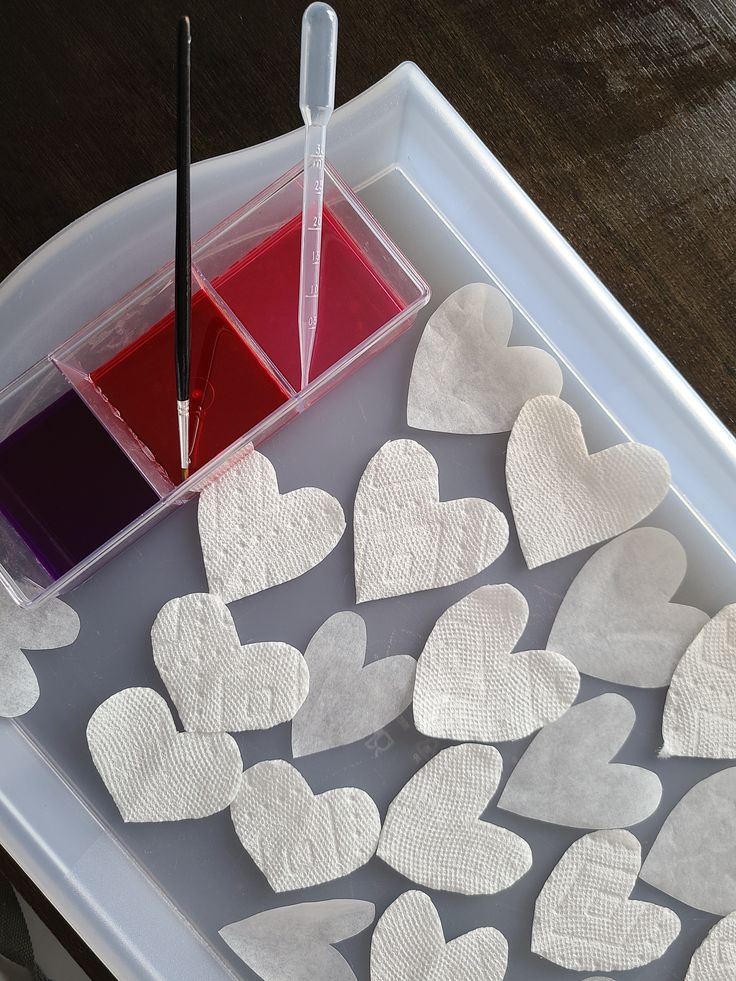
x=66, y=486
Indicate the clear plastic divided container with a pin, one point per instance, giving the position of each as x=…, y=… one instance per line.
x=245, y=282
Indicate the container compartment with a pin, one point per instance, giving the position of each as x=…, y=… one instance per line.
x=232, y=389
x=367, y=289
x=66, y=487
x=122, y=365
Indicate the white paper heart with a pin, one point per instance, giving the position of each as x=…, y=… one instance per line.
x=406, y=539
x=153, y=772
x=616, y=621
x=693, y=857
x=584, y=919
x=348, y=701
x=294, y=943
x=253, y=537
x=699, y=716
x=409, y=945
x=298, y=839
x=566, y=777
x=715, y=958
x=433, y=833
x=470, y=686
x=465, y=378
x=217, y=685
x=51, y=625
x=563, y=499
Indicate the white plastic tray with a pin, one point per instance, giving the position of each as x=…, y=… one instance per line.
x=457, y=214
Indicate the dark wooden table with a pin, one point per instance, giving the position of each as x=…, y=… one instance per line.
x=618, y=117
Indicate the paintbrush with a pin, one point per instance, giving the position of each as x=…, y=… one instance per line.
x=183, y=254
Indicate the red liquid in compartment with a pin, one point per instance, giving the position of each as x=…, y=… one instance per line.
x=231, y=388
x=262, y=290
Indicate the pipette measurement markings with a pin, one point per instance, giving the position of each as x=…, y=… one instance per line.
x=314, y=163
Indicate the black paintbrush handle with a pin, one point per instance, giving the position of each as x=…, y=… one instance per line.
x=183, y=262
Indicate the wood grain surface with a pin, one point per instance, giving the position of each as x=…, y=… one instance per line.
x=618, y=117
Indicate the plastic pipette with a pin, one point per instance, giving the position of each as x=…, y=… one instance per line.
x=316, y=101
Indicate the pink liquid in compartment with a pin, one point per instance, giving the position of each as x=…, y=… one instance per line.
x=262, y=290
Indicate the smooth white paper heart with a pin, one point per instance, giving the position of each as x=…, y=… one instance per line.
x=217, y=685
x=348, y=700
x=409, y=945
x=433, y=833
x=469, y=686
x=699, y=716
x=566, y=777
x=294, y=943
x=715, y=958
x=153, y=772
x=406, y=539
x=563, y=499
x=693, y=857
x=51, y=625
x=298, y=839
x=616, y=621
x=253, y=537
x=584, y=919
x=465, y=378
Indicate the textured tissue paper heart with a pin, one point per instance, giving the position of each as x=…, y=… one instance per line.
x=699, y=716
x=348, y=700
x=616, y=621
x=51, y=625
x=409, y=945
x=566, y=775
x=433, y=834
x=564, y=499
x=294, y=943
x=253, y=537
x=715, y=958
x=406, y=539
x=465, y=378
x=298, y=839
x=470, y=686
x=584, y=919
x=217, y=685
x=153, y=772
x=693, y=857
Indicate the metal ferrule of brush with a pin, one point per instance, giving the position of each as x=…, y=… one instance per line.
x=182, y=408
